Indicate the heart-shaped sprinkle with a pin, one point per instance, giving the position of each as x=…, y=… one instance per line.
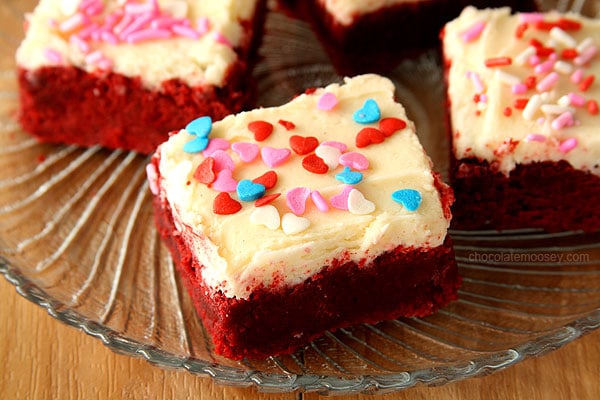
x=292, y=224
x=296, y=199
x=250, y=191
x=261, y=129
x=225, y=182
x=340, y=201
x=368, y=136
x=214, y=145
x=357, y=204
x=315, y=164
x=196, y=145
x=205, y=173
x=368, y=113
x=200, y=127
x=327, y=101
x=355, y=161
x=263, y=201
x=222, y=161
x=267, y=216
x=342, y=147
x=349, y=177
x=391, y=125
x=247, y=151
x=409, y=198
x=225, y=205
x=273, y=157
x=268, y=179
x=319, y=201
x=286, y=124
x=329, y=154
x=303, y=145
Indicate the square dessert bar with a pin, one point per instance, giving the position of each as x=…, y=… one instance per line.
x=523, y=117
x=373, y=35
x=122, y=73
x=289, y=221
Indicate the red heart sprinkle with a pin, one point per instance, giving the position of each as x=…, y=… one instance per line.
x=263, y=201
x=368, y=136
x=389, y=126
x=287, y=124
x=268, y=179
x=261, y=130
x=225, y=205
x=303, y=145
x=315, y=164
x=205, y=173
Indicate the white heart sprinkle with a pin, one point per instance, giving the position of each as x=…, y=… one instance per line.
x=357, y=204
x=267, y=216
x=329, y=154
x=293, y=224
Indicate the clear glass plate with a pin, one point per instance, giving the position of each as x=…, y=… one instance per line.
x=77, y=237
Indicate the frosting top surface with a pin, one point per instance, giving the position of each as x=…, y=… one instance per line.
x=156, y=40
x=523, y=87
x=341, y=195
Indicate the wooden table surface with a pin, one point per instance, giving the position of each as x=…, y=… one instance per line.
x=46, y=359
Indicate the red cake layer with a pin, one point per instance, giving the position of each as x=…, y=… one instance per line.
x=549, y=195
x=377, y=41
x=401, y=283
x=69, y=105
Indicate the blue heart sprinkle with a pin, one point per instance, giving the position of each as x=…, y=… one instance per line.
x=409, y=198
x=250, y=191
x=368, y=113
x=196, y=145
x=200, y=127
x=349, y=177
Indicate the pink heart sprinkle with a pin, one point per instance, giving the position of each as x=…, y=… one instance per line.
x=327, y=102
x=342, y=147
x=319, y=201
x=340, y=201
x=214, y=145
x=247, y=151
x=225, y=182
x=296, y=199
x=223, y=161
x=354, y=160
x=273, y=157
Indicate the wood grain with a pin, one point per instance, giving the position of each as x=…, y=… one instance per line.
x=45, y=359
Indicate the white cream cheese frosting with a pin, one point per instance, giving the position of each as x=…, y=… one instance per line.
x=347, y=11
x=523, y=87
x=318, y=217
x=156, y=40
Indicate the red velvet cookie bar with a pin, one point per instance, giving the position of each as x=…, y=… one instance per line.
x=367, y=36
x=122, y=74
x=523, y=120
x=287, y=222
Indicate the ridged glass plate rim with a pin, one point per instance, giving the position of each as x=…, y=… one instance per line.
x=269, y=382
